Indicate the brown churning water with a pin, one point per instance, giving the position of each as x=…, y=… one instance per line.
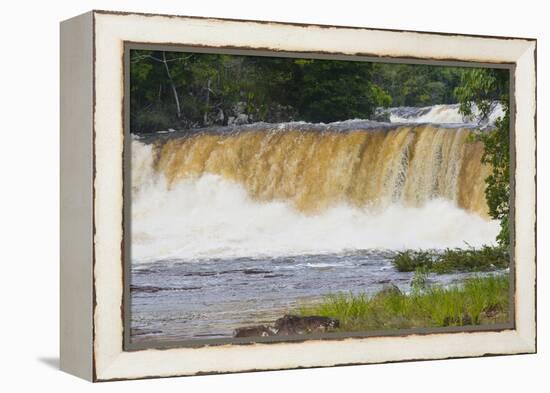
x=314, y=170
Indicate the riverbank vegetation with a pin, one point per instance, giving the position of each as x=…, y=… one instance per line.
x=478, y=301
x=453, y=260
x=188, y=90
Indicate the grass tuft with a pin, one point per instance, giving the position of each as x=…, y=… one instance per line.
x=479, y=300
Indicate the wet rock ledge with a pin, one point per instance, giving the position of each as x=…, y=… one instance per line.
x=289, y=325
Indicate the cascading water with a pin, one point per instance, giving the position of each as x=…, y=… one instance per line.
x=441, y=114
x=299, y=188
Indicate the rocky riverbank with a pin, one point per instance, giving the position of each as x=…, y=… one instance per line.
x=290, y=325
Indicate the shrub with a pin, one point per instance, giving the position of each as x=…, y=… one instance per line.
x=450, y=260
x=410, y=260
x=420, y=280
x=472, y=260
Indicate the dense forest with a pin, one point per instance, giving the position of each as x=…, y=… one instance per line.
x=189, y=90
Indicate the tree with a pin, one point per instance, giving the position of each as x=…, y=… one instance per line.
x=483, y=87
x=337, y=90
x=418, y=85
x=155, y=80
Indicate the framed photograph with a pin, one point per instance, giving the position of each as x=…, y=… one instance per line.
x=246, y=195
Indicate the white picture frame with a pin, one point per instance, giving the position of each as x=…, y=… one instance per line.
x=92, y=195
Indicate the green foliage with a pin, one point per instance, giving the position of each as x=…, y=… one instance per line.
x=188, y=90
x=420, y=280
x=479, y=300
x=482, y=259
x=484, y=87
x=418, y=85
x=337, y=90
x=155, y=118
x=410, y=260
x=450, y=260
x=497, y=191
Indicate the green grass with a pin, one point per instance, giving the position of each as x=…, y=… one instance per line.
x=450, y=260
x=479, y=300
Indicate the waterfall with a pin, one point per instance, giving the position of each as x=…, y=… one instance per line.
x=315, y=170
x=299, y=188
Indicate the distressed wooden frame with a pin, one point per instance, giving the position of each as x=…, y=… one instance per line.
x=92, y=219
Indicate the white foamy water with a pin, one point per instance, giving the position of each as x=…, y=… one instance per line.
x=441, y=114
x=209, y=217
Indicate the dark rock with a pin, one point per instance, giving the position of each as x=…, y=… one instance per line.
x=230, y=271
x=463, y=320
x=200, y=274
x=466, y=319
x=491, y=311
x=290, y=325
x=389, y=289
x=143, y=332
x=256, y=271
x=145, y=288
x=254, y=331
x=154, y=289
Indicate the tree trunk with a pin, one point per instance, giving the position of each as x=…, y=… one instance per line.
x=172, y=85
x=207, y=104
